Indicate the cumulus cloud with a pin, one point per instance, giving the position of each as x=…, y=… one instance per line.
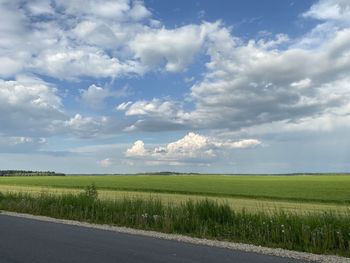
x=338, y=10
x=17, y=144
x=155, y=107
x=249, y=83
x=31, y=107
x=81, y=126
x=114, y=10
x=28, y=105
x=159, y=114
x=72, y=63
x=174, y=48
x=137, y=150
x=74, y=39
x=191, y=148
x=257, y=86
x=95, y=96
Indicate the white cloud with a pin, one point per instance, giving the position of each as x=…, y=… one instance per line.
x=158, y=114
x=338, y=10
x=28, y=105
x=301, y=84
x=18, y=144
x=94, y=96
x=273, y=84
x=257, y=82
x=31, y=107
x=40, y=7
x=9, y=66
x=191, y=148
x=250, y=84
x=93, y=33
x=74, y=41
x=106, y=162
x=92, y=38
x=123, y=106
x=174, y=48
x=139, y=11
x=82, y=126
x=138, y=149
x=110, y=9
x=154, y=107
x=242, y=144
x=85, y=61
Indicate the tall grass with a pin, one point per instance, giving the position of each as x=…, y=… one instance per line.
x=327, y=233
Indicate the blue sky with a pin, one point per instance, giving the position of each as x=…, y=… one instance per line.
x=125, y=86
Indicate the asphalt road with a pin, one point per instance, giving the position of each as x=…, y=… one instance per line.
x=27, y=240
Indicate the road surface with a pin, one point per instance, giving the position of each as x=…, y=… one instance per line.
x=32, y=241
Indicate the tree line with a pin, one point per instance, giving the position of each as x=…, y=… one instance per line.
x=29, y=173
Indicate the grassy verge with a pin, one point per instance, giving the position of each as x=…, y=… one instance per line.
x=325, y=233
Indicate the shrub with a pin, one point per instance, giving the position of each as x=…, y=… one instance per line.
x=91, y=191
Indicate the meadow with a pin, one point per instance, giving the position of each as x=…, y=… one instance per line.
x=317, y=188
x=251, y=205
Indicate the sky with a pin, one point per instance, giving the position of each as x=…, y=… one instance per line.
x=127, y=86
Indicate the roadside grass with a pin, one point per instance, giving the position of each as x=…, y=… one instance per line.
x=235, y=203
x=323, y=188
x=326, y=233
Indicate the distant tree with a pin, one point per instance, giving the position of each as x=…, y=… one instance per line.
x=28, y=173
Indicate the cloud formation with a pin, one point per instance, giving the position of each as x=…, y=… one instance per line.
x=191, y=148
x=246, y=83
x=95, y=96
x=61, y=63
x=173, y=48
x=257, y=82
x=28, y=105
x=336, y=10
x=14, y=144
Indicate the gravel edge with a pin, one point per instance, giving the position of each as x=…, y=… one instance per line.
x=197, y=241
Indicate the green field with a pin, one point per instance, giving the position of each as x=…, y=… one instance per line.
x=236, y=203
x=322, y=189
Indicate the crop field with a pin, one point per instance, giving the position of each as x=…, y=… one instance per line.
x=322, y=188
x=300, y=194
x=236, y=203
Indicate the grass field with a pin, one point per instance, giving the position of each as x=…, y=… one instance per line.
x=236, y=203
x=323, y=188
